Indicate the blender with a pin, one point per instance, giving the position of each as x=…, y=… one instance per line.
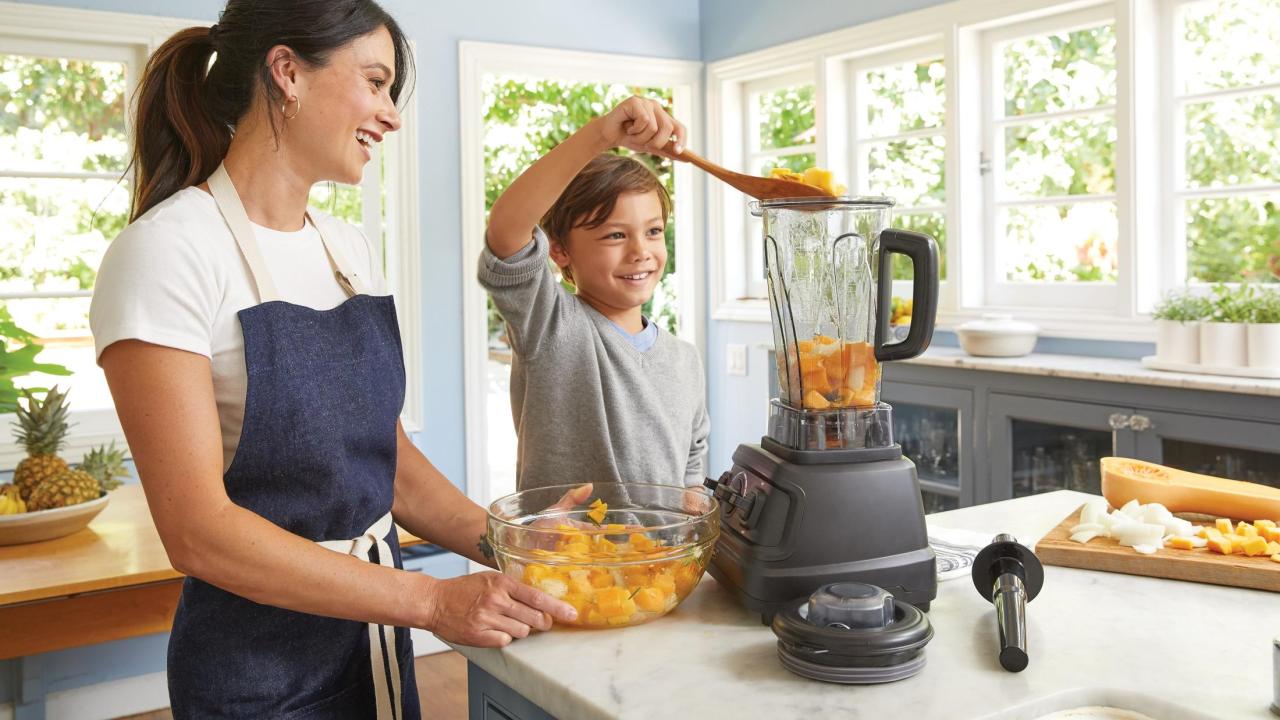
x=826, y=496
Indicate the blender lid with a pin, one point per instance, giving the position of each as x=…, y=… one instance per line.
x=852, y=633
x=821, y=203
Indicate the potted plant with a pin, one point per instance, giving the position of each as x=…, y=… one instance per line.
x=1222, y=336
x=1178, y=319
x=18, y=350
x=1263, y=334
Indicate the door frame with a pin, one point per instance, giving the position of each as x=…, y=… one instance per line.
x=475, y=61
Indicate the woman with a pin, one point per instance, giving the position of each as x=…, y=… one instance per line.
x=255, y=363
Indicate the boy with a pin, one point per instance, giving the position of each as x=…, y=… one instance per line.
x=598, y=392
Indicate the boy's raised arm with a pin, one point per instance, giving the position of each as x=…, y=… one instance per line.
x=638, y=124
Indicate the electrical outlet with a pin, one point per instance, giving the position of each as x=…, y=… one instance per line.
x=737, y=359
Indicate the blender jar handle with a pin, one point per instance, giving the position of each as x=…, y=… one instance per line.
x=923, y=253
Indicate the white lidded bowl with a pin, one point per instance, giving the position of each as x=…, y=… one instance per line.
x=997, y=335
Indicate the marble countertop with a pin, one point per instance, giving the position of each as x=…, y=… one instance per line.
x=1094, y=368
x=1173, y=650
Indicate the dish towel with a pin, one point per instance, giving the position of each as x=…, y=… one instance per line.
x=956, y=550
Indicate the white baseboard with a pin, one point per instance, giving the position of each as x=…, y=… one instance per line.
x=103, y=701
x=424, y=643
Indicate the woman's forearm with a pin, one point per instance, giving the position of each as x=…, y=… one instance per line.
x=430, y=507
x=243, y=553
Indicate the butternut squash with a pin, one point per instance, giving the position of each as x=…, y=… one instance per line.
x=1124, y=479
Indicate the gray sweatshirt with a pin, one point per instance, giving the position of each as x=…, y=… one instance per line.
x=587, y=405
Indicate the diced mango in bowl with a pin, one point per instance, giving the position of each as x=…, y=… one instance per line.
x=612, y=577
x=629, y=556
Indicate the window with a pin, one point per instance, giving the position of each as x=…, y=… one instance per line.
x=1226, y=106
x=899, y=147
x=779, y=133
x=64, y=194
x=1049, y=158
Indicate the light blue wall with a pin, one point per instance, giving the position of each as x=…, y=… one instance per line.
x=733, y=27
x=659, y=28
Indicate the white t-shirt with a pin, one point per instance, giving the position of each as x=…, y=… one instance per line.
x=175, y=277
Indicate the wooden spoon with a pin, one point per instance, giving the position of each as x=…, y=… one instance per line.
x=760, y=188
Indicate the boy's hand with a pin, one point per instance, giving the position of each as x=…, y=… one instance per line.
x=642, y=125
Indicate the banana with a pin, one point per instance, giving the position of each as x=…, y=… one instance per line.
x=11, y=503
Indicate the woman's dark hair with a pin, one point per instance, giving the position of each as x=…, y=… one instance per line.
x=187, y=109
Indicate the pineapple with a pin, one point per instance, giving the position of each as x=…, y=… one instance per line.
x=96, y=475
x=42, y=429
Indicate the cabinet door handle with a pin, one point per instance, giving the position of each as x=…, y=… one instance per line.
x=1119, y=421
x=1140, y=423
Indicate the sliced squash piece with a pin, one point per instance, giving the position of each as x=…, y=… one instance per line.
x=1124, y=479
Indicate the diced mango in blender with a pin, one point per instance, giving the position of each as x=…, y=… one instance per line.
x=813, y=400
x=816, y=381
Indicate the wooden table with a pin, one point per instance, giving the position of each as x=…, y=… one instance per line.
x=110, y=581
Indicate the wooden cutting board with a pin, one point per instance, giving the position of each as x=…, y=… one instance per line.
x=1198, y=565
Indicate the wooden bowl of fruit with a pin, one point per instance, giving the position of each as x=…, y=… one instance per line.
x=630, y=555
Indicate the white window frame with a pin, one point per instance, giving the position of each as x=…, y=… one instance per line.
x=69, y=32
x=999, y=291
x=753, y=155
x=479, y=59
x=857, y=160
x=1174, y=189
x=959, y=27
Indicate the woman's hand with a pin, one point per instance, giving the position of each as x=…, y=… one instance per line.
x=489, y=609
x=642, y=125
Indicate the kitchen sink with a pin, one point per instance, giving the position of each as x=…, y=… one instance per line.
x=1098, y=704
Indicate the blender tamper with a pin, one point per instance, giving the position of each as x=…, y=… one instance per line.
x=1010, y=576
x=852, y=633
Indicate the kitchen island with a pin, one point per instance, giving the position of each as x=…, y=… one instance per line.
x=1172, y=650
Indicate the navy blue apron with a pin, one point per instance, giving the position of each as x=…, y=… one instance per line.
x=317, y=456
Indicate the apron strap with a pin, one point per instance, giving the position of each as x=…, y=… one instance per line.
x=387, y=695
x=224, y=194
x=232, y=209
x=349, y=280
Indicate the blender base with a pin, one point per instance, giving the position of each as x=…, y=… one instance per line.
x=788, y=528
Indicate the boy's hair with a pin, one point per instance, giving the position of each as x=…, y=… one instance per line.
x=589, y=199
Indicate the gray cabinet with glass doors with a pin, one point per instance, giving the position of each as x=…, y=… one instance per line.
x=1017, y=435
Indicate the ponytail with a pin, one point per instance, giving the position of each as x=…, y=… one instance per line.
x=187, y=109
x=178, y=141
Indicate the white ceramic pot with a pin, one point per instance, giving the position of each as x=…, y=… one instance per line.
x=1264, y=345
x=1223, y=344
x=997, y=336
x=1178, y=341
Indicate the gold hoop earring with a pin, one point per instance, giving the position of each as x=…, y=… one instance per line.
x=284, y=107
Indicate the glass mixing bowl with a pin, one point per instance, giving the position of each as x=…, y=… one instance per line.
x=626, y=564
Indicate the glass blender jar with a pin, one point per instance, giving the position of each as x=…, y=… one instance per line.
x=827, y=496
x=830, y=291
